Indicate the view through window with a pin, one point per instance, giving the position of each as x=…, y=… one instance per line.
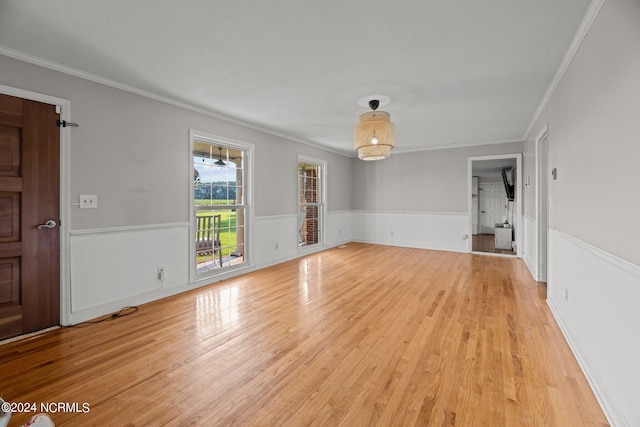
x=310, y=203
x=219, y=206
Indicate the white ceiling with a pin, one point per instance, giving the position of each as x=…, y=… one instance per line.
x=457, y=72
x=491, y=168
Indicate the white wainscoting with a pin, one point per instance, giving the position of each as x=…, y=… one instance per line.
x=113, y=267
x=530, y=255
x=337, y=230
x=427, y=230
x=276, y=237
x=595, y=298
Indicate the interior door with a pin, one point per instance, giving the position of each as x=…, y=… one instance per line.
x=493, y=202
x=29, y=216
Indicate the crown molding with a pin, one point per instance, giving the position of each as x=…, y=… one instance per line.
x=583, y=29
x=51, y=65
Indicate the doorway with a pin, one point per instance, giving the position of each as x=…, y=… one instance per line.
x=495, y=204
x=29, y=216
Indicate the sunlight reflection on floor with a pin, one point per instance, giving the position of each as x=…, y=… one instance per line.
x=217, y=309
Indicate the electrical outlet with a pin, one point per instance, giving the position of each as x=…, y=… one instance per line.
x=277, y=245
x=566, y=295
x=88, y=201
x=161, y=273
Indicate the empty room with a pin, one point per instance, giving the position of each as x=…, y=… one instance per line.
x=336, y=214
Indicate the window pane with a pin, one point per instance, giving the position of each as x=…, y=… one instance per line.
x=310, y=203
x=220, y=233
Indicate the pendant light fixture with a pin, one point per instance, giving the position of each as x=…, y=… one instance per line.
x=374, y=135
x=220, y=162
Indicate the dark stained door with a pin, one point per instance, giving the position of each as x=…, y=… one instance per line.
x=29, y=197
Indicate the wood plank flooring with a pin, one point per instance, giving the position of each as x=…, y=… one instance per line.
x=357, y=336
x=487, y=243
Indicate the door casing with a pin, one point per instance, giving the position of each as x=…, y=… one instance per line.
x=518, y=202
x=542, y=203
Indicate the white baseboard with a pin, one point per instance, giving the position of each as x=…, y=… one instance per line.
x=275, y=238
x=109, y=265
x=111, y=268
x=594, y=297
x=446, y=231
x=595, y=381
x=117, y=267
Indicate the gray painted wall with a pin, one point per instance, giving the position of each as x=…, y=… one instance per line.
x=426, y=181
x=133, y=152
x=594, y=264
x=593, y=121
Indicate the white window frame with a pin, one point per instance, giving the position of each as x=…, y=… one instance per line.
x=322, y=211
x=194, y=277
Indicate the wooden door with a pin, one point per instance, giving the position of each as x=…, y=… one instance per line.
x=29, y=197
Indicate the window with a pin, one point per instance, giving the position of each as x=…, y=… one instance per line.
x=219, y=205
x=310, y=201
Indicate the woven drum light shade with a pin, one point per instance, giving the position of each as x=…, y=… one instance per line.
x=378, y=123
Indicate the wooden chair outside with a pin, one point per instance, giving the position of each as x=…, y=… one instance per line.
x=208, y=237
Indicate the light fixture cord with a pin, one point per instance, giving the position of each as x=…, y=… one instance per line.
x=374, y=125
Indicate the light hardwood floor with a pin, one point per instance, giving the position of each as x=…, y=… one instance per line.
x=487, y=243
x=355, y=336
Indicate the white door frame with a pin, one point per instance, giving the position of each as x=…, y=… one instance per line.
x=63, y=107
x=542, y=205
x=518, y=198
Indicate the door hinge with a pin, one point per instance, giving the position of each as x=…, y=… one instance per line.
x=64, y=124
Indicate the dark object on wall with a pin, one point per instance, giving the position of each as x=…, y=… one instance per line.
x=508, y=188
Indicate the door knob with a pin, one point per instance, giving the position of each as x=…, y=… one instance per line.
x=49, y=224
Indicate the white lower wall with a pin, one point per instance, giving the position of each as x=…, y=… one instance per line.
x=530, y=256
x=595, y=298
x=427, y=230
x=112, y=268
x=282, y=230
x=337, y=229
x=269, y=231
